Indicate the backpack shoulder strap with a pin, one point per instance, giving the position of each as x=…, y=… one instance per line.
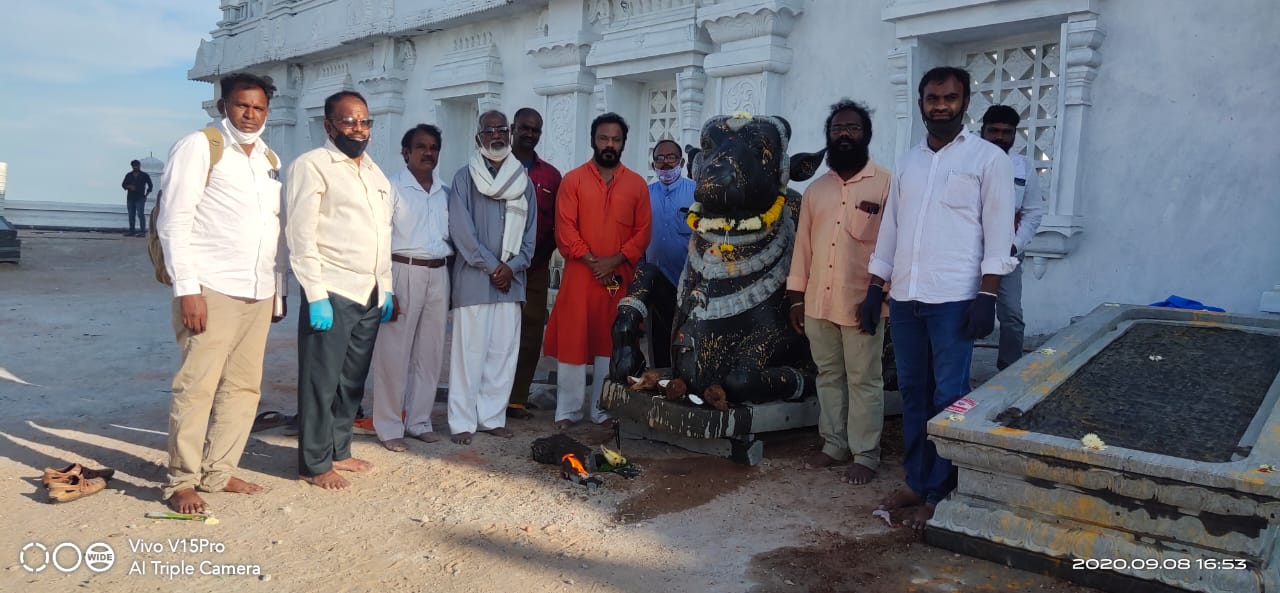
x=215, y=149
x=273, y=159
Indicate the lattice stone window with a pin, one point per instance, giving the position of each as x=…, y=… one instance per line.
x=664, y=116
x=1024, y=76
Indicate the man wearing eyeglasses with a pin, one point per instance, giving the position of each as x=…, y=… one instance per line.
x=839, y=223
x=669, y=199
x=493, y=222
x=339, y=232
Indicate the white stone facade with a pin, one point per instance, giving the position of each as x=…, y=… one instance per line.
x=1146, y=118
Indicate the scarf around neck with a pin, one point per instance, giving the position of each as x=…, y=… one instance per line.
x=508, y=185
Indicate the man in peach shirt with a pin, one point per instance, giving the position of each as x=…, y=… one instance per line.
x=839, y=222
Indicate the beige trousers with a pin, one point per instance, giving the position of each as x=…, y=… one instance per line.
x=850, y=389
x=215, y=391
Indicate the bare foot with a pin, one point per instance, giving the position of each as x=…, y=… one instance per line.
x=395, y=445
x=563, y=425
x=901, y=498
x=858, y=474
x=187, y=501
x=241, y=487
x=818, y=460
x=427, y=437
x=462, y=438
x=500, y=431
x=330, y=480
x=920, y=518
x=351, y=464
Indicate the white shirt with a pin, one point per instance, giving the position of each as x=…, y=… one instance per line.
x=224, y=235
x=419, y=217
x=339, y=225
x=949, y=221
x=1027, y=203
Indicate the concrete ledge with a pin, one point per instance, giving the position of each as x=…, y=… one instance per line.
x=60, y=216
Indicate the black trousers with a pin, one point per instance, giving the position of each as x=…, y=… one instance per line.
x=332, y=367
x=138, y=208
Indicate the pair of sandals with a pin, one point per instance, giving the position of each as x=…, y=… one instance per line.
x=74, y=482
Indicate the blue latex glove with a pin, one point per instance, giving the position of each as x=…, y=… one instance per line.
x=321, y=313
x=980, y=319
x=869, y=309
x=386, y=308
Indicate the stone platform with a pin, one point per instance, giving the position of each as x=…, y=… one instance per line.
x=1180, y=498
x=732, y=433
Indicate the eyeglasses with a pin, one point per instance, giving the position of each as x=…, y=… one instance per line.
x=351, y=123
x=836, y=128
x=502, y=130
x=669, y=159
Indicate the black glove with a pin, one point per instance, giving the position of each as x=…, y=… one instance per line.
x=869, y=309
x=980, y=319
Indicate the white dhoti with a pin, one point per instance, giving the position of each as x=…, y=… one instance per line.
x=571, y=382
x=486, y=345
x=409, y=352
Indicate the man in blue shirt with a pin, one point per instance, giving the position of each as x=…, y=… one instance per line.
x=670, y=197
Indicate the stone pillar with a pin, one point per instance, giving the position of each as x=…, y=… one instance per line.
x=753, y=54
x=690, y=83
x=383, y=87
x=282, y=123
x=567, y=84
x=908, y=61
x=10, y=247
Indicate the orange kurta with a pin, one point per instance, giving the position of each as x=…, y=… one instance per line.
x=604, y=221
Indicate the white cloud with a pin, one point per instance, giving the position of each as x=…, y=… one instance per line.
x=76, y=40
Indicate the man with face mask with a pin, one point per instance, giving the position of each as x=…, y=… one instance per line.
x=220, y=231
x=669, y=198
x=602, y=228
x=999, y=125
x=944, y=243
x=493, y=222
x=339, y=231
x=839, y=222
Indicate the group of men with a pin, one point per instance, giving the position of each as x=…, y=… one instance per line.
x=385, y=262
x=941, y=236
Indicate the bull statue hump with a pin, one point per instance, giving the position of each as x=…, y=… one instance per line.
x=731, y=339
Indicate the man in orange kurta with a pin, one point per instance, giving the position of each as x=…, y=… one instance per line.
x=602, y=229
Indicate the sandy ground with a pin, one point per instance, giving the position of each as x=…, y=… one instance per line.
x=86, y=356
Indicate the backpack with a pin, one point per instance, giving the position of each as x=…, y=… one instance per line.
x=154, y=249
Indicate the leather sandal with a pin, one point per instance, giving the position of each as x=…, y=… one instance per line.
x=75, y=487
x=75, y=469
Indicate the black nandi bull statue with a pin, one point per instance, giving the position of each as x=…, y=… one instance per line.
x=731, y=338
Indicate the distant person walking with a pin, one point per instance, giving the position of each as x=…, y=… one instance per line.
x=137, y=186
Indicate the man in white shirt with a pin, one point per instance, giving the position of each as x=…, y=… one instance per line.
x=944, y=244
x=220, y=231
x=339, y=232
x=999, y=124
x=410, y=348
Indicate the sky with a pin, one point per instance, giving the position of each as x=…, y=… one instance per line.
x=88, y=85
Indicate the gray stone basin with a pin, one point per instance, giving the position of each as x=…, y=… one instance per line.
x=1179, y=498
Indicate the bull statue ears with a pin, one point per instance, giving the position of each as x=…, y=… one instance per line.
x=805, y=164
x=691, y=158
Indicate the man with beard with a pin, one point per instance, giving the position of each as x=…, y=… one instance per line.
x=670, y=197
x=944, y=242
x=339, y=231
x=407, y=354
x=839, y=223
x=999, y=124
x=602, y=229
x=493, y=222
x=533, y=317
x=220, y=231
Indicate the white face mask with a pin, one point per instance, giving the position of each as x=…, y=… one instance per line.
x=238, y=136
x=496, y=156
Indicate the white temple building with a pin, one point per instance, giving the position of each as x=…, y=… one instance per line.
x=1151, y=122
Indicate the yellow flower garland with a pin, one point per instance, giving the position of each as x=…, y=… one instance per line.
x=755, y=223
